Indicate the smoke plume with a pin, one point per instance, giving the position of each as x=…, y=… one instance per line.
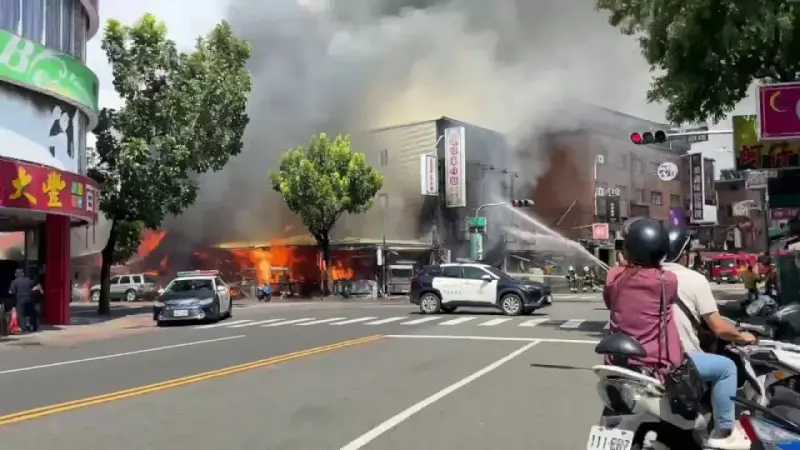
x=349, y=65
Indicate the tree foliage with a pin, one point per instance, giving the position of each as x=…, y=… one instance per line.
x=181, y=114
x=323, y=181
x=706, y=54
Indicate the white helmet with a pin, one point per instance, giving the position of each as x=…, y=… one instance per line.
x=571, y=268
x=585, y=268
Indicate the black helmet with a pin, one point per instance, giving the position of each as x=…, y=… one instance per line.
x=646, y=241
x=679, y=240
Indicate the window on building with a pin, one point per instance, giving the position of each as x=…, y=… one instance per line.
x=656, y=198
x=623, y=192
x=622, y=162
x=33, y=20
x=674, y=200
x=384, y=158
x=638, y=166
x=52, y=24
x=639, y=196
x=602, y=157
x=654, y=167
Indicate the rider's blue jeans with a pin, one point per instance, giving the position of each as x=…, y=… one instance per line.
x=720, y=371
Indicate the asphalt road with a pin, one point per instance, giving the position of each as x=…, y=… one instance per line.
x=317, y=376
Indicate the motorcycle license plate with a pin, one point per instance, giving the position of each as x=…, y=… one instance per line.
x=601, y=438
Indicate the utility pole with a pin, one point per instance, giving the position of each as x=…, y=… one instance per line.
x=477, y=226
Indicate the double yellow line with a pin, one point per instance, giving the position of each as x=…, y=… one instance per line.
x=164, y=385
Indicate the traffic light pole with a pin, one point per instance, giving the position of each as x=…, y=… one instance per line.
x=476, y=233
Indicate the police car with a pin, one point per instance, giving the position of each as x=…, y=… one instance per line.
x=195, y=295
x=445, y=287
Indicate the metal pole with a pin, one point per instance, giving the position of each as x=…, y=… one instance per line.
x=765, y=216
x=697, y=133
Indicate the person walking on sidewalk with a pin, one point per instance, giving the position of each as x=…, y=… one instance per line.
x=20, y=289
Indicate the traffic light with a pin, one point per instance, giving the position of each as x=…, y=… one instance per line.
x=521, y=203
x=649, y=137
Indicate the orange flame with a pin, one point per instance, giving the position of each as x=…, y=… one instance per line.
x=150, y=241
x=340, y=272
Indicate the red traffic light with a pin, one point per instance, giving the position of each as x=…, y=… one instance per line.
x=636, y=138
x=521, y=203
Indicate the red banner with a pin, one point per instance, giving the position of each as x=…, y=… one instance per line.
x=46, y=189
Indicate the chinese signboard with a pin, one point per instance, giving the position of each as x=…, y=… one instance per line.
x=784, y=213
x=600, y=231
x=709, y=193
x=667, y=171
x=696, y=177
x=38, y=188
x=753, y=154
x=742, y=208
x=612, y=209
x=429, y=175
x=758, y=179
x=779, y=111
x=455, y=187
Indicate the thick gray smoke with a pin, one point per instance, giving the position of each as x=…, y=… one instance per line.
x=349, y=65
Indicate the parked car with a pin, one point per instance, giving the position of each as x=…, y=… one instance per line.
x=129, y=288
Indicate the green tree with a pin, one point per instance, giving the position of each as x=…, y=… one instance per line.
x=181, y=114
x=706, y=54
x=321, y=182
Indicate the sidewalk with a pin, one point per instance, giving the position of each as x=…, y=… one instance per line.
x=82, y=329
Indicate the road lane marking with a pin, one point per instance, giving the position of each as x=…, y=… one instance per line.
x=315, y=322
x=533, y=322
x=360, y=319
x=572, y=324
x=493, y=322
x=404, y=415
x=383, y=321
x=256, y=323
x=222, y=324
x=490, y=338
x=287, y=322
x=170, y=384
x=419, y=321
x=118, y=355
x=460, y=320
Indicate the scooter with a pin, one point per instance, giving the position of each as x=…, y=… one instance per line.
x=637, y=412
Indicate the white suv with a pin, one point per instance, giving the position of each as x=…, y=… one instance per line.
x=129, y=288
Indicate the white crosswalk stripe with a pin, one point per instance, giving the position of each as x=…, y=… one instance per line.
x=317, y=322
x=410, y=320
x=572, y=324
x=287, y=322
x=221, y=324
x=458, y=321
x=493, y=322
x=383, y=321
x=256, y=323
x=533, y=322
x=356, y=320
x=423, y=320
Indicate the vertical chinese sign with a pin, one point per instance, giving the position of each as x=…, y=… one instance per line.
x=612, y=209
x=696, y=177
x=429, y=175
x=455, y=187
x=709, y=193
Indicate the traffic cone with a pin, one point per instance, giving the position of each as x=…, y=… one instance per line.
x=13, y=325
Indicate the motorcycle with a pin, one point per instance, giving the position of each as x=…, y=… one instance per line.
x=774, y=426
x=637, y=413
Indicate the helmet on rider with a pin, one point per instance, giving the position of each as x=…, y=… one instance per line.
x=679, y=240
x=646, y=242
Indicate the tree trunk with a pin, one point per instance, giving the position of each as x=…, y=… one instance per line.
x=325, y=243
x=104, y=305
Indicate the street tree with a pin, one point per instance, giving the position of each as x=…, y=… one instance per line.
x=705, y=55
x=181, y=113
x=323, y=181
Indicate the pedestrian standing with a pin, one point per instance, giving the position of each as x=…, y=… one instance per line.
x=20, y=289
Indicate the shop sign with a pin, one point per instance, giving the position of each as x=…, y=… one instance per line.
x=49, y=190
x=600, y=231
x=429, y=175
x=667, y=171
x=754, y=154
x=34, y=66
x=455, y=188
x=612, y=209
x=784, y=213
x=697, y=186
x=779, y=111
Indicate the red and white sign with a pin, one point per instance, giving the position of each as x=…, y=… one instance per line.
x=600, y=231
x=429, y=175
x=455, y=186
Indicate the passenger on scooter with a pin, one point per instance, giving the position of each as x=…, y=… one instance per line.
x=698, y=337
x=633, y=295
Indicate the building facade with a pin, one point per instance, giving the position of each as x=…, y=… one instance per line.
x=48, y=104
x=595, y=164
